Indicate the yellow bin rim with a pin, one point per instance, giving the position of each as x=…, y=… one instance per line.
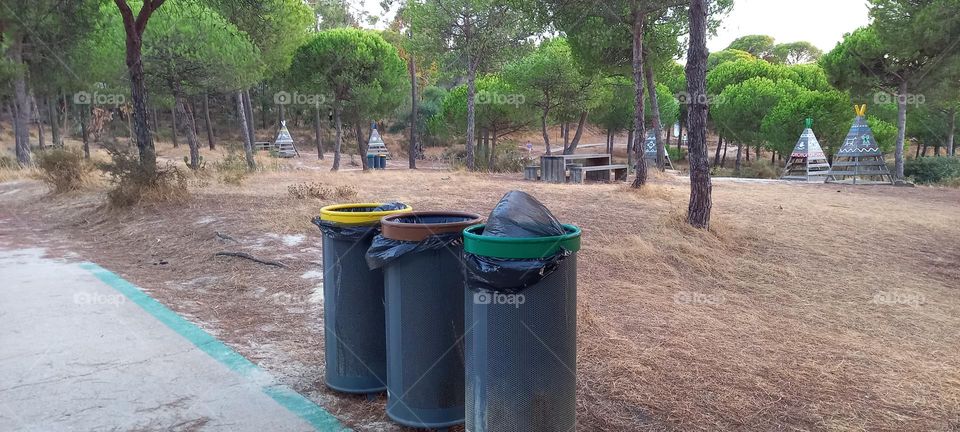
x=336, y=213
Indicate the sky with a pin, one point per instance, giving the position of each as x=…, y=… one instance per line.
x=821, y=22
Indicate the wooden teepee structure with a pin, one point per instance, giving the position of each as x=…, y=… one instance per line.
x=807, y=161
x=859, y=160
x=375, y=144
x=284, y=143
x=650, y=151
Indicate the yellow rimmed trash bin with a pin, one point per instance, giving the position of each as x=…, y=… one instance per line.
x=353, y=305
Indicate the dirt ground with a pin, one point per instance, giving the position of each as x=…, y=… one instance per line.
x=806, y=307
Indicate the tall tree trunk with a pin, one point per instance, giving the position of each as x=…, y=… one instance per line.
x=723, y=160
x=901, y=128
x=581, y=125
x=338, y=123
x=698, y=212
x=543, y=130
x=21, y=106
x=84, y=131
x=610, y=141
x=738, y=162
x=716, y=157
x=565, y=134
x=39, y=120
x=247, y=142
x=414, y=115
x=185, y=111
x=251, y=123
x=654, y=107
x=318, y=132
x=918, y=152
x=174, y=125
x=951, y=133
x=211, y=142
x=668, y=136
x=55, y=139
x=281, y=113
x=493, y=150
x=681, y=122
x=134, y=27
x=640, y=131
x=471, y=111
x=747, y=151
x=361, y=145
x=630, y=143
x=65, y=119
x=15, y=116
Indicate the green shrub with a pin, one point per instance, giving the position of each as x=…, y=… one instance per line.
x=232, y=169
x=133, y=184
x=927, y=170
x=321, y=191
x=676, y=154
x=64, y=170
x=507, y=157
x=7, y=162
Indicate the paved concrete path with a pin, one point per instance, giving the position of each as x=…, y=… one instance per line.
x=82, y=349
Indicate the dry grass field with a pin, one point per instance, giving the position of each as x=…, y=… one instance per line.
x=805, y=307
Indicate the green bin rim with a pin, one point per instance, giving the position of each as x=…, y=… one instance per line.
x=519, y=247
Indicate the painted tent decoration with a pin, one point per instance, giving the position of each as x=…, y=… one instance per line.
x=375, y=145
x=283, y=145
x=807, y=161
x=650, y=151
x=859, y=160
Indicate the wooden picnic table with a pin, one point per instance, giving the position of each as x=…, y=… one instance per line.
x=554, y=167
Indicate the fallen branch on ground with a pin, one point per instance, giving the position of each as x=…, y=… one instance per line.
x=251, y=258
x=223, y=236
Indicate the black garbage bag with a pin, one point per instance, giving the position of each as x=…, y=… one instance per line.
x=507, y=275
x=384, y=250
x=520, y=215
x=354, y=232
x=517, y=215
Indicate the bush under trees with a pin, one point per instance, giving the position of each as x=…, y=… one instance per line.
x=930, y=170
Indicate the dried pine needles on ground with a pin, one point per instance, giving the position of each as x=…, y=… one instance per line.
x=804, y=307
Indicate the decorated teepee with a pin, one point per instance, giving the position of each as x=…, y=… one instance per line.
x=807, y=161
x=283, y=145
x=375, y=145
x=859, y=160
x=650, y=151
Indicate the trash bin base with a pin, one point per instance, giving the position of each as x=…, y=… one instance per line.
x=356, y=389
x=425, y=418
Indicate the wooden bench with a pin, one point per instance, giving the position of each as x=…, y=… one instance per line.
x=531, y=172
x=578, y=173
x=262, y=146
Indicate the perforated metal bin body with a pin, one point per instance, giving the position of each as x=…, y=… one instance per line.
x=424, y=304
x=521, y=359
x=353, y=314
x=353, y=304
x=425, y=340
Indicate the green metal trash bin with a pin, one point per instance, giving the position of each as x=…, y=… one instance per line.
x=354, y=328
x=420, y=254
x=521, y=330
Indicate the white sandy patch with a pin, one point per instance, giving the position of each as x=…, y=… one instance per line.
x=293, y=240
x=317, y=295
x=312, y=274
